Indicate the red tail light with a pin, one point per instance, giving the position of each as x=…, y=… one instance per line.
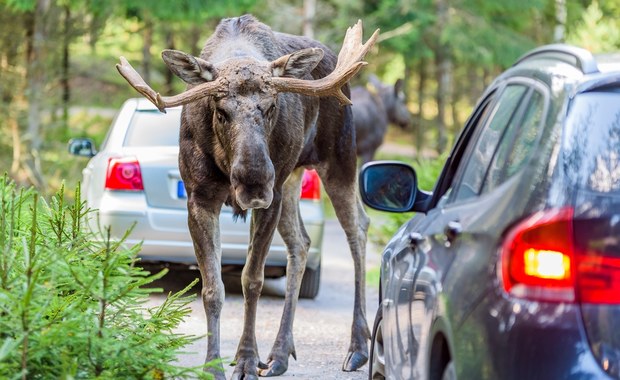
x=538, y=257
x=310, y=185
x=542, y=261
x=598, y=278
x=124, y=174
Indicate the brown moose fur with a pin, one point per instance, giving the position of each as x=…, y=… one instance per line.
x=247, y=147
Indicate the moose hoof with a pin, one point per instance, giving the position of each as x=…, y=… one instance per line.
x=354, y=361
x=216, y=370
x=274, y=368
x=239, y=375
x=219, y=376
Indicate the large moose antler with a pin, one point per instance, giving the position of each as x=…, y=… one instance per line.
x=350, y=61
x=163, y=102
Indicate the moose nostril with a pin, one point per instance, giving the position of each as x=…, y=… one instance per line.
x=252, y=179
x=249, y=197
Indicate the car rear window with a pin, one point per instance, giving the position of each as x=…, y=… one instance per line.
x=592, y=142
x=153, y=128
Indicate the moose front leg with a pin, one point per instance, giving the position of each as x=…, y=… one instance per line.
x=297, y=241
x=203, y=222
x=262, y=228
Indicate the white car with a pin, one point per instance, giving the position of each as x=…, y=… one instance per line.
x=134, y=179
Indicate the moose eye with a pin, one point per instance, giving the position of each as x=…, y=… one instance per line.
x=221, y=116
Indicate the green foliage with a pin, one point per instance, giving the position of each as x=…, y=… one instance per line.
x=373, y=276
x=184, y=10
x=72, y=303
x=479, y=37
x=21, y=5
x=428, y=170
x=390, y=15
x=597, y=31
x=58, y=165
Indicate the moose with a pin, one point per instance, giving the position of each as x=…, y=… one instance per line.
x=260, y=106
x=375, y=106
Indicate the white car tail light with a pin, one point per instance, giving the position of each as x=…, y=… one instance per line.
x=310, y=185
x=124, y=174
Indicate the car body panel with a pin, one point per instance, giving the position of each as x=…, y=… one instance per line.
x=591, y=158
x=510, y=339
x=442, y=294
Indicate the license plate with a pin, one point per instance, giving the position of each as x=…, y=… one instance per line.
x=181, y=193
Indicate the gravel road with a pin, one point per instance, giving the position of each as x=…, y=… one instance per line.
x=322, y=326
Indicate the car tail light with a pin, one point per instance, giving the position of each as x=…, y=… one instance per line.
x=310, y=185
x=124, y=174
x=598, y=278
x=541, y=261
x=538, y=257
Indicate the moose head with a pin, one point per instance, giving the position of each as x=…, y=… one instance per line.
x=243, y=94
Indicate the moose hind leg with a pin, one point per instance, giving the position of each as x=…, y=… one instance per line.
x=297, y=242
x=354, y=221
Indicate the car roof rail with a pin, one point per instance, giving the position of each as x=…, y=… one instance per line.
x=573, y=55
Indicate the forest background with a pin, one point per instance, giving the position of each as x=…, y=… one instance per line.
x=58, y=78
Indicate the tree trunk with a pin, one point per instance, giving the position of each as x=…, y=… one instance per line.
x=35, y=79
x=146, y=49
x=444, y=68
x=17, y=151
x=442, y=96
x=309, y=16
x=559, y=31
x=64, y=76
x=420, y=124
x=194, y=39
x=456, y=96
x=475, y=81
x=168, y=86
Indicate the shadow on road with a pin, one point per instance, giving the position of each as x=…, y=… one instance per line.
x=179, y=276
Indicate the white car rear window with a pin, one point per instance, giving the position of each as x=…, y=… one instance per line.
x=153, y=128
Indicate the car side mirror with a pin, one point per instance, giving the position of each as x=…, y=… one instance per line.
x=82, y=146
x=388, y=186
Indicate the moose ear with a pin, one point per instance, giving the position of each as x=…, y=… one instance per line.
x=192, y=70
x=297, y=64
x=398, y=86
x=399, y=89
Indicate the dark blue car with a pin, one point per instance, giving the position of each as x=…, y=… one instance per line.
x=510, y=269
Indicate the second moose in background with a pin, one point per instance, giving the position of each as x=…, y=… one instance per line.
x=375, y=106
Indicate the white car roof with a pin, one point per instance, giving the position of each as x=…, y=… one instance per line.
x=143, y=104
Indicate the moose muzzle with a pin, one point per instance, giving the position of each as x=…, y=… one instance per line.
x=252, y=178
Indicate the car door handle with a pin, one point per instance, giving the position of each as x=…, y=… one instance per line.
x=415, y=239
x=453, y=230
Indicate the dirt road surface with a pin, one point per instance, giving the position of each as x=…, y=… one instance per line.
x=322, y=326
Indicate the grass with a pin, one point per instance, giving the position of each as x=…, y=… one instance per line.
x=373, y=275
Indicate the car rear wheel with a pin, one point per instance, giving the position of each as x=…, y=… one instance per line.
x=376, y=366
x=310, y=283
